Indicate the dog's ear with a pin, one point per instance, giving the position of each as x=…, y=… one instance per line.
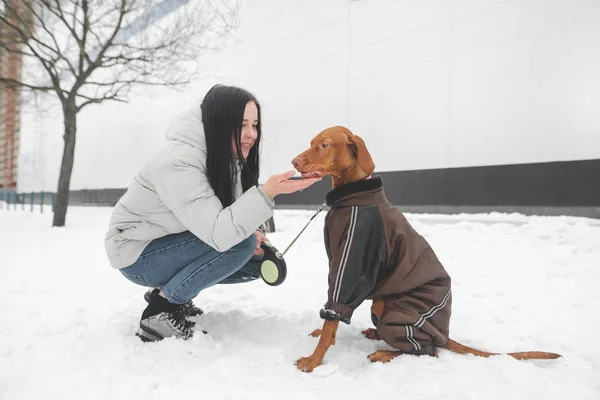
x=365, y=161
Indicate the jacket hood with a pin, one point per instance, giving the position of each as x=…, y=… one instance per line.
x=188, y=129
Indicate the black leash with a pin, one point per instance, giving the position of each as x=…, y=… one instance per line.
x=296, y=238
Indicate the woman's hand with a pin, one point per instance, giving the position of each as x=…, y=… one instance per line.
x=281, y=184
x=260, y=239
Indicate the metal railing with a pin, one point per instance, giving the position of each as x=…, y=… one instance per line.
x=12, y=200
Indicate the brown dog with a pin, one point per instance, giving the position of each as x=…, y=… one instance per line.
x=374, y=253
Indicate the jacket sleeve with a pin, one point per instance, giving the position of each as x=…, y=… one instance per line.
x=356, y=248
x=184, y=188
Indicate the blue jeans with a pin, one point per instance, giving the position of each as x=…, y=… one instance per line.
x=182, y=265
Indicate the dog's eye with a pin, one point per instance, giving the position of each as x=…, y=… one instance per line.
x=324, y=145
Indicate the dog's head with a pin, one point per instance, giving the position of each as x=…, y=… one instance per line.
x=336, y=152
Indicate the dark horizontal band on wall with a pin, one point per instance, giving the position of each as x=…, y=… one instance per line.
x=588, y=212
x=541, y=185
x=555, y=188
x=95, y=197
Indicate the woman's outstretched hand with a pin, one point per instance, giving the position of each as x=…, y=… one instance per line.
x=281, y=184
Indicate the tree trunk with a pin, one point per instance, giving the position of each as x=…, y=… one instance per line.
x=66, y=168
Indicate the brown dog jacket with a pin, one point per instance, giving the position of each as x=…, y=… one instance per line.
x=374, y=252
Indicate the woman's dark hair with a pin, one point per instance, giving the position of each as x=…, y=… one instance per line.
x=222, y=115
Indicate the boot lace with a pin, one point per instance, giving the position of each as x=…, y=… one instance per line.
x=177, y=317
x=191, y=310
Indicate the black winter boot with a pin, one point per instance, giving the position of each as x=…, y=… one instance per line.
x=162, y=319
x=189, y=308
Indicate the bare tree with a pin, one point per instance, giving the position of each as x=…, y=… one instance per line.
x=88, y=51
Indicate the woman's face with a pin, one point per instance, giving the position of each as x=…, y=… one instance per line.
x=249, y=131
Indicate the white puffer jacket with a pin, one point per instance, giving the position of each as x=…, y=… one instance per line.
x=171, y=194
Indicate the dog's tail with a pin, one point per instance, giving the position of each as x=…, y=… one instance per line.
x=456, y=347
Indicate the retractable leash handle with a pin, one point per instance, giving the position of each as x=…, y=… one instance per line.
x=273, y=268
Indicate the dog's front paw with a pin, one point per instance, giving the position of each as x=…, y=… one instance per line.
x=308, y=364
x=316, y=333
x=383, y=356
x=371, y=334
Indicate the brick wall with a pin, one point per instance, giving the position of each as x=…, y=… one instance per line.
x=10, y=67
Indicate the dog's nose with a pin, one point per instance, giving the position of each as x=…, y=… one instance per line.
x=297, y=162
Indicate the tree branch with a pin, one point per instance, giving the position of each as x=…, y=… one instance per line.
x=86, y=28
x=123, y=11
x=58, y=12
x=122, y=43
x=111, y=95
x=24, y=40
x=15, y=84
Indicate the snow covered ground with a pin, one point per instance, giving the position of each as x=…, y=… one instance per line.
x=519, y=283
